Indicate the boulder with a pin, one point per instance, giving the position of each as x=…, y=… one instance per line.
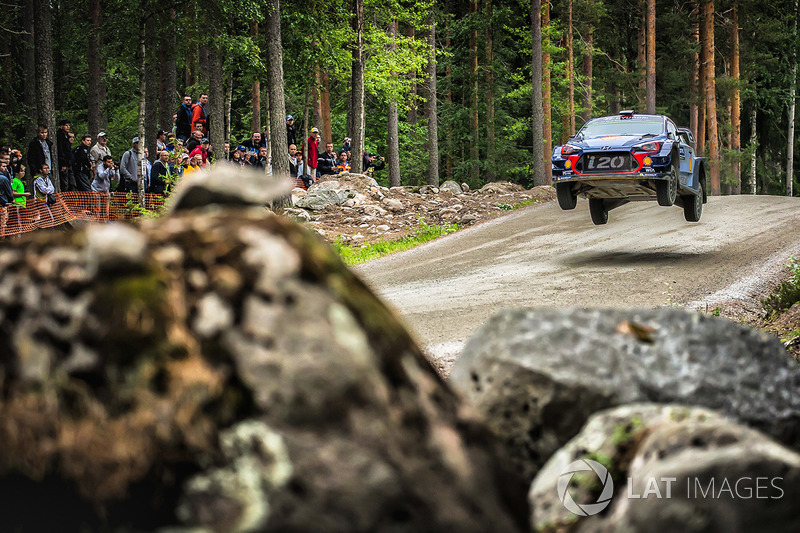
x=451, y=186
x=428, y=189
x=298, y=215
x=393, y=205
x=318, y=199
x=230, y=186
x=538, y=374
x=464, y=187
x=235, y=376
x=669, y=468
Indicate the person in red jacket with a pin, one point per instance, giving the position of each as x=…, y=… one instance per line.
x=199, y=114
x=313, y=152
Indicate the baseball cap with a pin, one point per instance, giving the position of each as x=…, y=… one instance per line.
x=289, y=117
x=314, y=130
x=135, y=140
x=102, y=134
x=63, y=122
x=241, y=147
x=204, y=141
x=160, y=132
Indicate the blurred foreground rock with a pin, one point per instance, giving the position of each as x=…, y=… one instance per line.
x=221, y=370
x=537, y=375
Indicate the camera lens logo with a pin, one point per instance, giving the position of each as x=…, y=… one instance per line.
x=586, y=509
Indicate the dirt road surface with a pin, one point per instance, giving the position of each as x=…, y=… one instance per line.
x=646, y=256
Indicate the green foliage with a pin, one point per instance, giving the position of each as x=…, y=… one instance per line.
x=786, y=294
x=353, y=255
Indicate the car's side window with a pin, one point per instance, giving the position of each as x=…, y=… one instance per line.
x=672, y=131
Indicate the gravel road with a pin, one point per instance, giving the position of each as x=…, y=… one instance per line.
x=646, y=256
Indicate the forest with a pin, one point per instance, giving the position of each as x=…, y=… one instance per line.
x=474, y=91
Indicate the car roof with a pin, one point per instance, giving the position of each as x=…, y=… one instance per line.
x=612, y=118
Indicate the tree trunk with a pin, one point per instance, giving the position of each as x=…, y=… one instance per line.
x=255, y=90
x=490, y=173
x=587, y=67
x=753, y=146
x=431, y=104
x=142, y=94
x=473, y=105
x=151, y=87
x=30, y=83
x=45, y=88
x=736, y=126
x=448, y=97
x=641, y=50
x=650, y=103
x=216, y=103
x=93, y=65
x=277, y=102
x=316, y=108
x=167, y=101
x=694, y=85
x=325, y=105
x=539, y=177
x=547, y=113
x=228, y=100
x=701, y=110
x=711, y=98
x=570, y=71
x=792, y=102
x=203, y=67
x=412, y=107
x=357, y=88
x=392, y=137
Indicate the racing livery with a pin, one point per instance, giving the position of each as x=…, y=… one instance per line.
x=629, y=157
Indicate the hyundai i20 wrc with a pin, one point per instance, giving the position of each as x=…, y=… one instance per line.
x=630, y=157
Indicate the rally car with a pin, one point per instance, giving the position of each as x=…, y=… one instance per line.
x=630, y=157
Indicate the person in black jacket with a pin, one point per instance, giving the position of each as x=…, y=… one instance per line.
x=159, y=174
x=183, y=122
x=40, y=150
x=291, y=136
x=326, y=164
x=82, y=165
x=65, y=157
x=375, y=162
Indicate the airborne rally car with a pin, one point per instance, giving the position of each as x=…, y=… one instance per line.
x=628, y=157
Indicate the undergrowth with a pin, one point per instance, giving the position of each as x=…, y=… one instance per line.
x=353, y=255
x=786, y=294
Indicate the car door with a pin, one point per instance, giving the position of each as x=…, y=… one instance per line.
x=685, y=152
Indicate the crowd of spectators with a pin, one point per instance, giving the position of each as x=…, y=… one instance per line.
x=90, y=166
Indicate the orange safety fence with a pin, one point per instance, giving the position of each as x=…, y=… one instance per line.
x=69, y=206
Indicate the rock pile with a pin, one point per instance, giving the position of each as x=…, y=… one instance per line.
x=356, y=209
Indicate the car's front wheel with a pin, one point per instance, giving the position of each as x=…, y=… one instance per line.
x=667, y=190
x=567, y=199
x=693, y=207
x=597, y=209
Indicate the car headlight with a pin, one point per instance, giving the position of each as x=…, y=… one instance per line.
x=652, y=146
x=569, y=149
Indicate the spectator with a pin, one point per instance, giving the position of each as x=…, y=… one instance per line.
x=346, y=144
x=39, y=149
x=226, y=151
x=194, y=164
x=200, y=115
x=202, y=150
x=100, y=149
x=65, y=157
x=262, y=162
x=160, y=174
x=82, y=165
x=291, y=136
x=18, y=186
x=161, y=138
x=252, y=146
x=43, y=185
x=313, y=152
x=183, y=119
x=237, y=157
x=129, y=167
x=6, y=190
x=195, y=141
x=107, y=172
x=343, y=164
x=293, y=167
x=372, y=161
x=327, y=161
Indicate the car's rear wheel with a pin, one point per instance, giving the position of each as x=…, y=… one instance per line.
x=567, y=199
x=597, y=209
x=667, y=190
x=693, y=206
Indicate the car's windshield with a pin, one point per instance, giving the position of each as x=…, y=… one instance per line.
x=632, y=126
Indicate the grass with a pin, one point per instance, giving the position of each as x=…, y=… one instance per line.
x=354, y=255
